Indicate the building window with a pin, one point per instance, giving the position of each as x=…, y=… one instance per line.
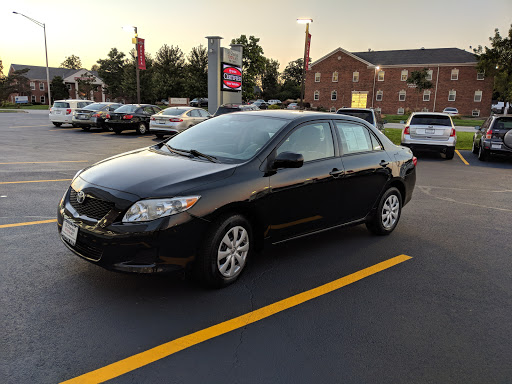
x=33, y=98
x=401, y=95
x=475, y=113
x=378, y=96
x=380, y=76
x=478, y=96
x=424, y=110
x=333, y=109
x=430, y=72
x=317, y=77
x=334, y=95
x=42, y=99
x=405, y=75
x=68, y=86
x=355, y=77
x=32, y=86
x=107, y=100
x=480, y=76
x=426, y=95
x=455, y=74
x=400, y=111
x=451, y=95
x=335, y=77
x=378, y=110
x=316, y=95
x=41, y=86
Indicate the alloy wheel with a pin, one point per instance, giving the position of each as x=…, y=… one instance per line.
x=390, y=211
x=232, y=252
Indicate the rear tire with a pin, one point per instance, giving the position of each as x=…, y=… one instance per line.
x=483, y=154
x=450, y=152
x=387, y=215
x=57, y=124
x=142, y=129
x=86, y=128
x=474, y=148
x=116, y=131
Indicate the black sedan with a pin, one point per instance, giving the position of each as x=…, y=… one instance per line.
x=131, y=117
x=207, y=198
x=93, y=115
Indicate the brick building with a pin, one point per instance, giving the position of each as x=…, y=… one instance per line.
x=378, y=79
x=39, y=86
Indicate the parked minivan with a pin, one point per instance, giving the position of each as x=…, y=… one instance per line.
x=62, y=110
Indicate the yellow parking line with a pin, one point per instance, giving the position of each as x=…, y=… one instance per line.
x=46, y=162
x=27, y=223
x=32, y=181
x=462, y=158
x=101, y=133
x=151, y=355
x=63, y=129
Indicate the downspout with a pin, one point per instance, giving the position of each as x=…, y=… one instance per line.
x=435, y=93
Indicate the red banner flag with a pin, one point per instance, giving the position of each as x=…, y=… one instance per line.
x=141, y=58
x=308, y=64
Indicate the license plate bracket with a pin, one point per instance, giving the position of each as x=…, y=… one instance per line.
x=69, y=232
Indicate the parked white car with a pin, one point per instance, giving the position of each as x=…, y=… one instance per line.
x=176, y=119
x=272, y=102
x=62, y=110
x=451, y=111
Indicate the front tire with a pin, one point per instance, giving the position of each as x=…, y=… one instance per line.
x=225, y=251
x=142, y=129
x=387, y=215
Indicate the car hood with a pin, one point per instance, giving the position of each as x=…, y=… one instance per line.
x=148, y=173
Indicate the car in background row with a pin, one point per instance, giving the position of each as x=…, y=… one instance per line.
x=131, y=117
x=368, y=114
x=274, y=101
x=430, y=131
x=228, y=108
x=199, y=102
x=493, y=137
x=93, y=115
x=261, y=104
x=176, y=119
x=451, y=111
x=293, y=106
x=62, y=110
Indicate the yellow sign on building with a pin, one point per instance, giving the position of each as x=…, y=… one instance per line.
x=359, y=100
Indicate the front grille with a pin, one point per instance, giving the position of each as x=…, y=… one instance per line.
x=91, y=207
x=87, y=251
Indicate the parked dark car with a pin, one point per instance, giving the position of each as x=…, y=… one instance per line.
x=228, y=108
x=260, y=104
x=493, y=137
x=208, y=197
x=369, y=114
x=199, y=102
x=93, y=115
x=131, y=117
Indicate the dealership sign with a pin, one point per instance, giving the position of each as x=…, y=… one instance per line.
x=231, y=77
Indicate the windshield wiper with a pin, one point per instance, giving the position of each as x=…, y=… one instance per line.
x=192, y=152
x=177, y=151
x=196, y=153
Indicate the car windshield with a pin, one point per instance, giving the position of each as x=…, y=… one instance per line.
x=365, y=115
x=127, y=109
x=94, y=107
x=173, y=111
x=231, y=138
x=431, y=120
x=227, y=109
x=60, y=104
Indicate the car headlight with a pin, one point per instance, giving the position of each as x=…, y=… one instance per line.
x=147, y=210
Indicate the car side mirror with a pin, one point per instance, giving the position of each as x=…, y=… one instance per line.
x=477, y=127
x=384, y=121
x=288, y=160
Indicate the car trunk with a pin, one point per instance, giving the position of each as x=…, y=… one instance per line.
x=430, y=127
x=500, y=128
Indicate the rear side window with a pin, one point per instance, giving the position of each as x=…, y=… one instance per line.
x=173, y=111
x=431, y=120
x=195, y=113
x=60, y=104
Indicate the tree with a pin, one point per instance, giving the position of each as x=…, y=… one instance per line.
x=59, y=89
x=1, y=70
x=71, y=62
x=111, y=70
x=270, y=79
x=16, y=82
x=497, y=61
x=293, y=72
x=196, y=84
x=129, y=82
x=95, y=67
x=168, y=72
x=86, y=85
x=253, y=63
x=419, y=80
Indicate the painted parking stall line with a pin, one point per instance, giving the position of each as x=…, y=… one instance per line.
x=45, y=162
x=28, y=223
x=147, y=357
x=461, y=157
x=33, y=181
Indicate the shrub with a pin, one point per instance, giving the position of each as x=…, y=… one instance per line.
x=274, y=106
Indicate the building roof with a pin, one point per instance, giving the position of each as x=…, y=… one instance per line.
x=39, y=73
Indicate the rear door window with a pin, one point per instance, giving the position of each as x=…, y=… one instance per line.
x=195, y=113
x=431, y=120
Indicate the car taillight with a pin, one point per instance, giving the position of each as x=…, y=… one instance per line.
x=152, y=118
x=406, y=130
x=414, y=160
x=107, y=116
x=488, y=135
x=96, y=115
x=175, y=120
x=68, y=111
x=51, y=110
x=127, y=117
x=452, y=133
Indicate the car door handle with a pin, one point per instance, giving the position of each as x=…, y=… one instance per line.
x=336, y=172
x=384, y=163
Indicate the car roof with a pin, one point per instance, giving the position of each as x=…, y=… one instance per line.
x=430, y=113
x=355, y=109
x=297, y=115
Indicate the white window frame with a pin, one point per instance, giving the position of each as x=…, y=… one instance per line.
x=41, y=86
x=475, y=113
x=317, y=77
x=430, y=73
x=42, y=99
x=316, y=95
x=455, y=74
x=33, y=99
x=378, y=76
x=404, y=75
x=68, y=86
x=400, y=111
x=379, y=93
x=32, y=85
x=335, y=77
x=478, y=96
x=452, y=93
x=480, y=75
x=425, y=109
x=334, y=95
x=427, y=94
x=355, y=77
x=402, y=95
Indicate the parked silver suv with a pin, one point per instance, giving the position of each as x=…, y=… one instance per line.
x=430, y=131
x=369, y=114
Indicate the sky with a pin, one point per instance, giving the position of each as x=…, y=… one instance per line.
x=89, y=29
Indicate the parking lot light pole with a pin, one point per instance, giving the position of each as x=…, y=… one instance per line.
x=46, y=53
x=306, y=60
x=374, y=76
x=135, y=41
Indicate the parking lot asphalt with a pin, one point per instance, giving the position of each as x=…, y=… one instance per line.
x=442, y=315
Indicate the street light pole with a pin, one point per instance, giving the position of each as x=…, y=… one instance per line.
x=46, y=53
x=374, y=76
x=136, y=42
x=306, y=60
